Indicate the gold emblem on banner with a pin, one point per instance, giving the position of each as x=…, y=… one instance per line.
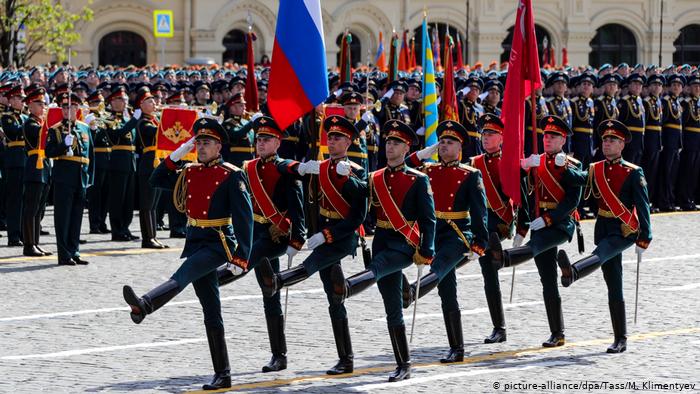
x=177, y=133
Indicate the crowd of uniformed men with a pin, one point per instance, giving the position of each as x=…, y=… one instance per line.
x=614, y=143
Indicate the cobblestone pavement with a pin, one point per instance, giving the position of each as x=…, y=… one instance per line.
x=66, y=329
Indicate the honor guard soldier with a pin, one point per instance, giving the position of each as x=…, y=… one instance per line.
x=37, y=174
x=582, y=119
x=415, y=103
x=469, y=113
x=240, y=132
x=15, y=159
x=343, y=206
x=278, y=212
x=392, y=108
x=501, y=219
x=540, y=111
x=623, y=220
x=405, y=235
x=672, y=142
x=460, y=234
x=98, y=192
x=214, y=194
x=69, y=144
x=653, y=110
x=357, y=153
x=557, y=194
x=558, y=104
x=122, y=164
x=606, y=105
x=631, y=109
x=146, y=132
x=690, y=155
x=493, y=99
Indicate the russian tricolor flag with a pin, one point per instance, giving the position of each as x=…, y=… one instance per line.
x=298, y=80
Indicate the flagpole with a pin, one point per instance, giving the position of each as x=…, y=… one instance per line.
x=466, y=38
x=661, y=31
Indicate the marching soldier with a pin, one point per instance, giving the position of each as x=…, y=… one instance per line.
x=540, y=111
x=392, y=108
x=653, y=111
x=672, y=142
x=122, y=165
x=469, y=113
x=37, y=174
x=98, y=192
x=414, y=103
x=239, y=127
x=690, y=155
x=557, y=194
x=69, y=143
x=631, y=109
x=146, y=131
x=558, y=104
x=343, y=205
x=460, y=234
x=623, y=220
x=278, y=212
x=405, y=234
x=214, y=194
x=15, y=159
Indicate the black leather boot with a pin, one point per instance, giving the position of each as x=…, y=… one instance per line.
x=345, y=288
x=571, y=273
x=31, y=251
x=341, y=332
x=619, y=323
x=401, y=353
x=272, y=282
x=278, y=344
x=512, y=257
x=453, y=324
x=427, y=283
x=556, y=323
x=148, y=231
x=497, y=318
x=151, y=301
x=219, y=359
x=29, y=238
x=225, y=276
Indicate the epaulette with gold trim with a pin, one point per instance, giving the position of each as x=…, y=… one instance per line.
x=230, y=167
x=630, y=165
x=467, y=167
x=355, y=165
x=415, y=172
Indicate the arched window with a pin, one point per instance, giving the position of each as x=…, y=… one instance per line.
x=355, y=50
x=540, y=33
x=122, y=48
x=687, y=46
x=441, y=29
x=234, y=42
x=613, y=44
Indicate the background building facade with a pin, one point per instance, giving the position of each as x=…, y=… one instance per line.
x=592, y=31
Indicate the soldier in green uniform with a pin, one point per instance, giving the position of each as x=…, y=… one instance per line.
x=392, y=107
x=623, y=220
x=37, y=174
x=469, y=113
x=557, y=194
x=239, y=127
x=357, y=153
x=98, y=193
x=15, y=158
x=631, y=113
x=69, y=143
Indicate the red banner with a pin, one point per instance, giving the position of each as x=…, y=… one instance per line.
x=175, y=128
x=251, y=86
x=53, y=116
x=448, y=105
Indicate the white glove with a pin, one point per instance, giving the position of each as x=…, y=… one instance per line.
x=338, y=92
x=473, y=256
x=518, y=240
x=255, y=116
x=420, y=131
x=639, y=250
x=89, y=118
x=466, y=90
x=343, y=168
x=53, y=105
x=68, y=139
x=309, y=167
x=236, y=270
x=368, y=117
x=69, y=152
x=315, y=241
x=537, y=224
x=182, y=150
x=560, y=159
x=532, y=161
x=388, y=94
x=137, y=114
x=428, y=152
x=291, y=252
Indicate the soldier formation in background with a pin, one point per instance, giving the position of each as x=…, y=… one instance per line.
x=614, y=143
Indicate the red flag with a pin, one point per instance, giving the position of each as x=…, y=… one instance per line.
x=174, y=129
x=448, y=104
x=412, y=63
x=552, y=57
x=381, y=57
x=564, y=57
x=251, y=86
x=523, y=79
x=460, y=60
x=404, y=60
x=53, y=116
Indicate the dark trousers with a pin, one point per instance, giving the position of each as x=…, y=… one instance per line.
x=14, y=178
x=688, y=183
x=265, y=247
x=387, y=266
x=668, y=172
x=650, y=164
x=609, y=251
x=448, y=255
x=98, y=195
x=121, y=201
x=68, y=217
x=35, y=196
x=148, y=201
